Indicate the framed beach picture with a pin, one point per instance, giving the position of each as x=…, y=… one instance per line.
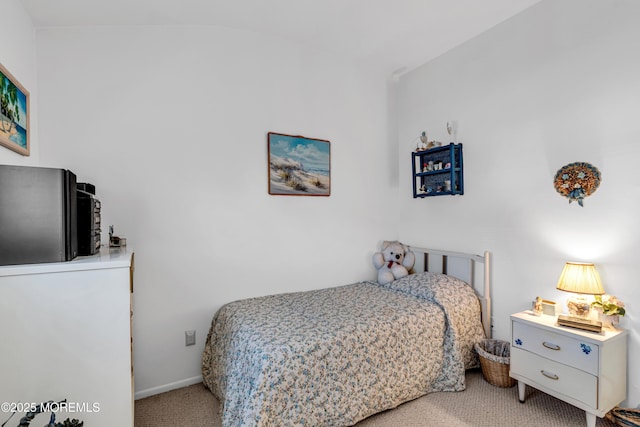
x=14, y=113
x=299, y=166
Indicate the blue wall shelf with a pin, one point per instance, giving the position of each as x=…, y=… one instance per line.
x=438, y=171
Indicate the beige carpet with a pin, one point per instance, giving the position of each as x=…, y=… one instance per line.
x=481, y=404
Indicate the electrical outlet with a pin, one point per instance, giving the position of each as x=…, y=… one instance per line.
x=189, y=338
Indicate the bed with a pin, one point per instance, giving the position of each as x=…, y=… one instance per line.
x=332, y=357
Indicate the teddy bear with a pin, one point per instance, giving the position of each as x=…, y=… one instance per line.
x=393, y=262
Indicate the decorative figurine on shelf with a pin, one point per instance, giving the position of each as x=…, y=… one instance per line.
x=433, y=144
x=422, y=145
x=537, y=307
x=425, y=167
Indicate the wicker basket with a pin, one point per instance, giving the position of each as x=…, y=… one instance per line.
x=626, y=417
x=494, y=361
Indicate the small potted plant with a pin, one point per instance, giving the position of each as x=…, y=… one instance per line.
x=609, y=308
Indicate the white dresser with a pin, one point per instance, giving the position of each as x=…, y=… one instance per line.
x=586, y=369
x=65, y=333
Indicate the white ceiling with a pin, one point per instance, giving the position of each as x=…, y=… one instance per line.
x=397, y=35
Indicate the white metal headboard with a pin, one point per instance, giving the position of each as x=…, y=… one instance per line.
x=462, y=266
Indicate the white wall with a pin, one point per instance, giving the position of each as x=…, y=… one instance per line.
x=18, y=55
x=554, y=85
x=170, y=124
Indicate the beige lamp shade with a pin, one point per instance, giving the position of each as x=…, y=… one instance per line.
x=580, y=278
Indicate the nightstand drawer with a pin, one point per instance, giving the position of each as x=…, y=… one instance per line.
x=554, y=346
x=545, y=373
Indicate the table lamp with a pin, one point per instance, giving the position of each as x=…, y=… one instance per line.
x=582, y=279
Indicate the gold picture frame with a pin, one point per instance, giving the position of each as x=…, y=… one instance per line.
x=14, y=114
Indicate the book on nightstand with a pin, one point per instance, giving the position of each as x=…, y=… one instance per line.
x=580, y=323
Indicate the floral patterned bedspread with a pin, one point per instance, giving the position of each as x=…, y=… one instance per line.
x=335, y=356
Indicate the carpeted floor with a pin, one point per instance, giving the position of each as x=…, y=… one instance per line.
x=481, y=404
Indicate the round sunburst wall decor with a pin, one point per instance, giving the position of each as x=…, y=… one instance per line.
x=576, y=181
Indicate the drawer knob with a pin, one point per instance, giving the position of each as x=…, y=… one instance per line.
x=549, y=375
x=551, y=346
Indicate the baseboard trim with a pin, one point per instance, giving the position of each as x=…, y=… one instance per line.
x=167, y=387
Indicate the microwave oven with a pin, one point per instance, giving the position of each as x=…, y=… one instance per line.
x=38, y=215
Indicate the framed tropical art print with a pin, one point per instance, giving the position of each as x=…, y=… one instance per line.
x=14, y=113
x=299, y=166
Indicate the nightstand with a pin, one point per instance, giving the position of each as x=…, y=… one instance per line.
x=585, y=369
